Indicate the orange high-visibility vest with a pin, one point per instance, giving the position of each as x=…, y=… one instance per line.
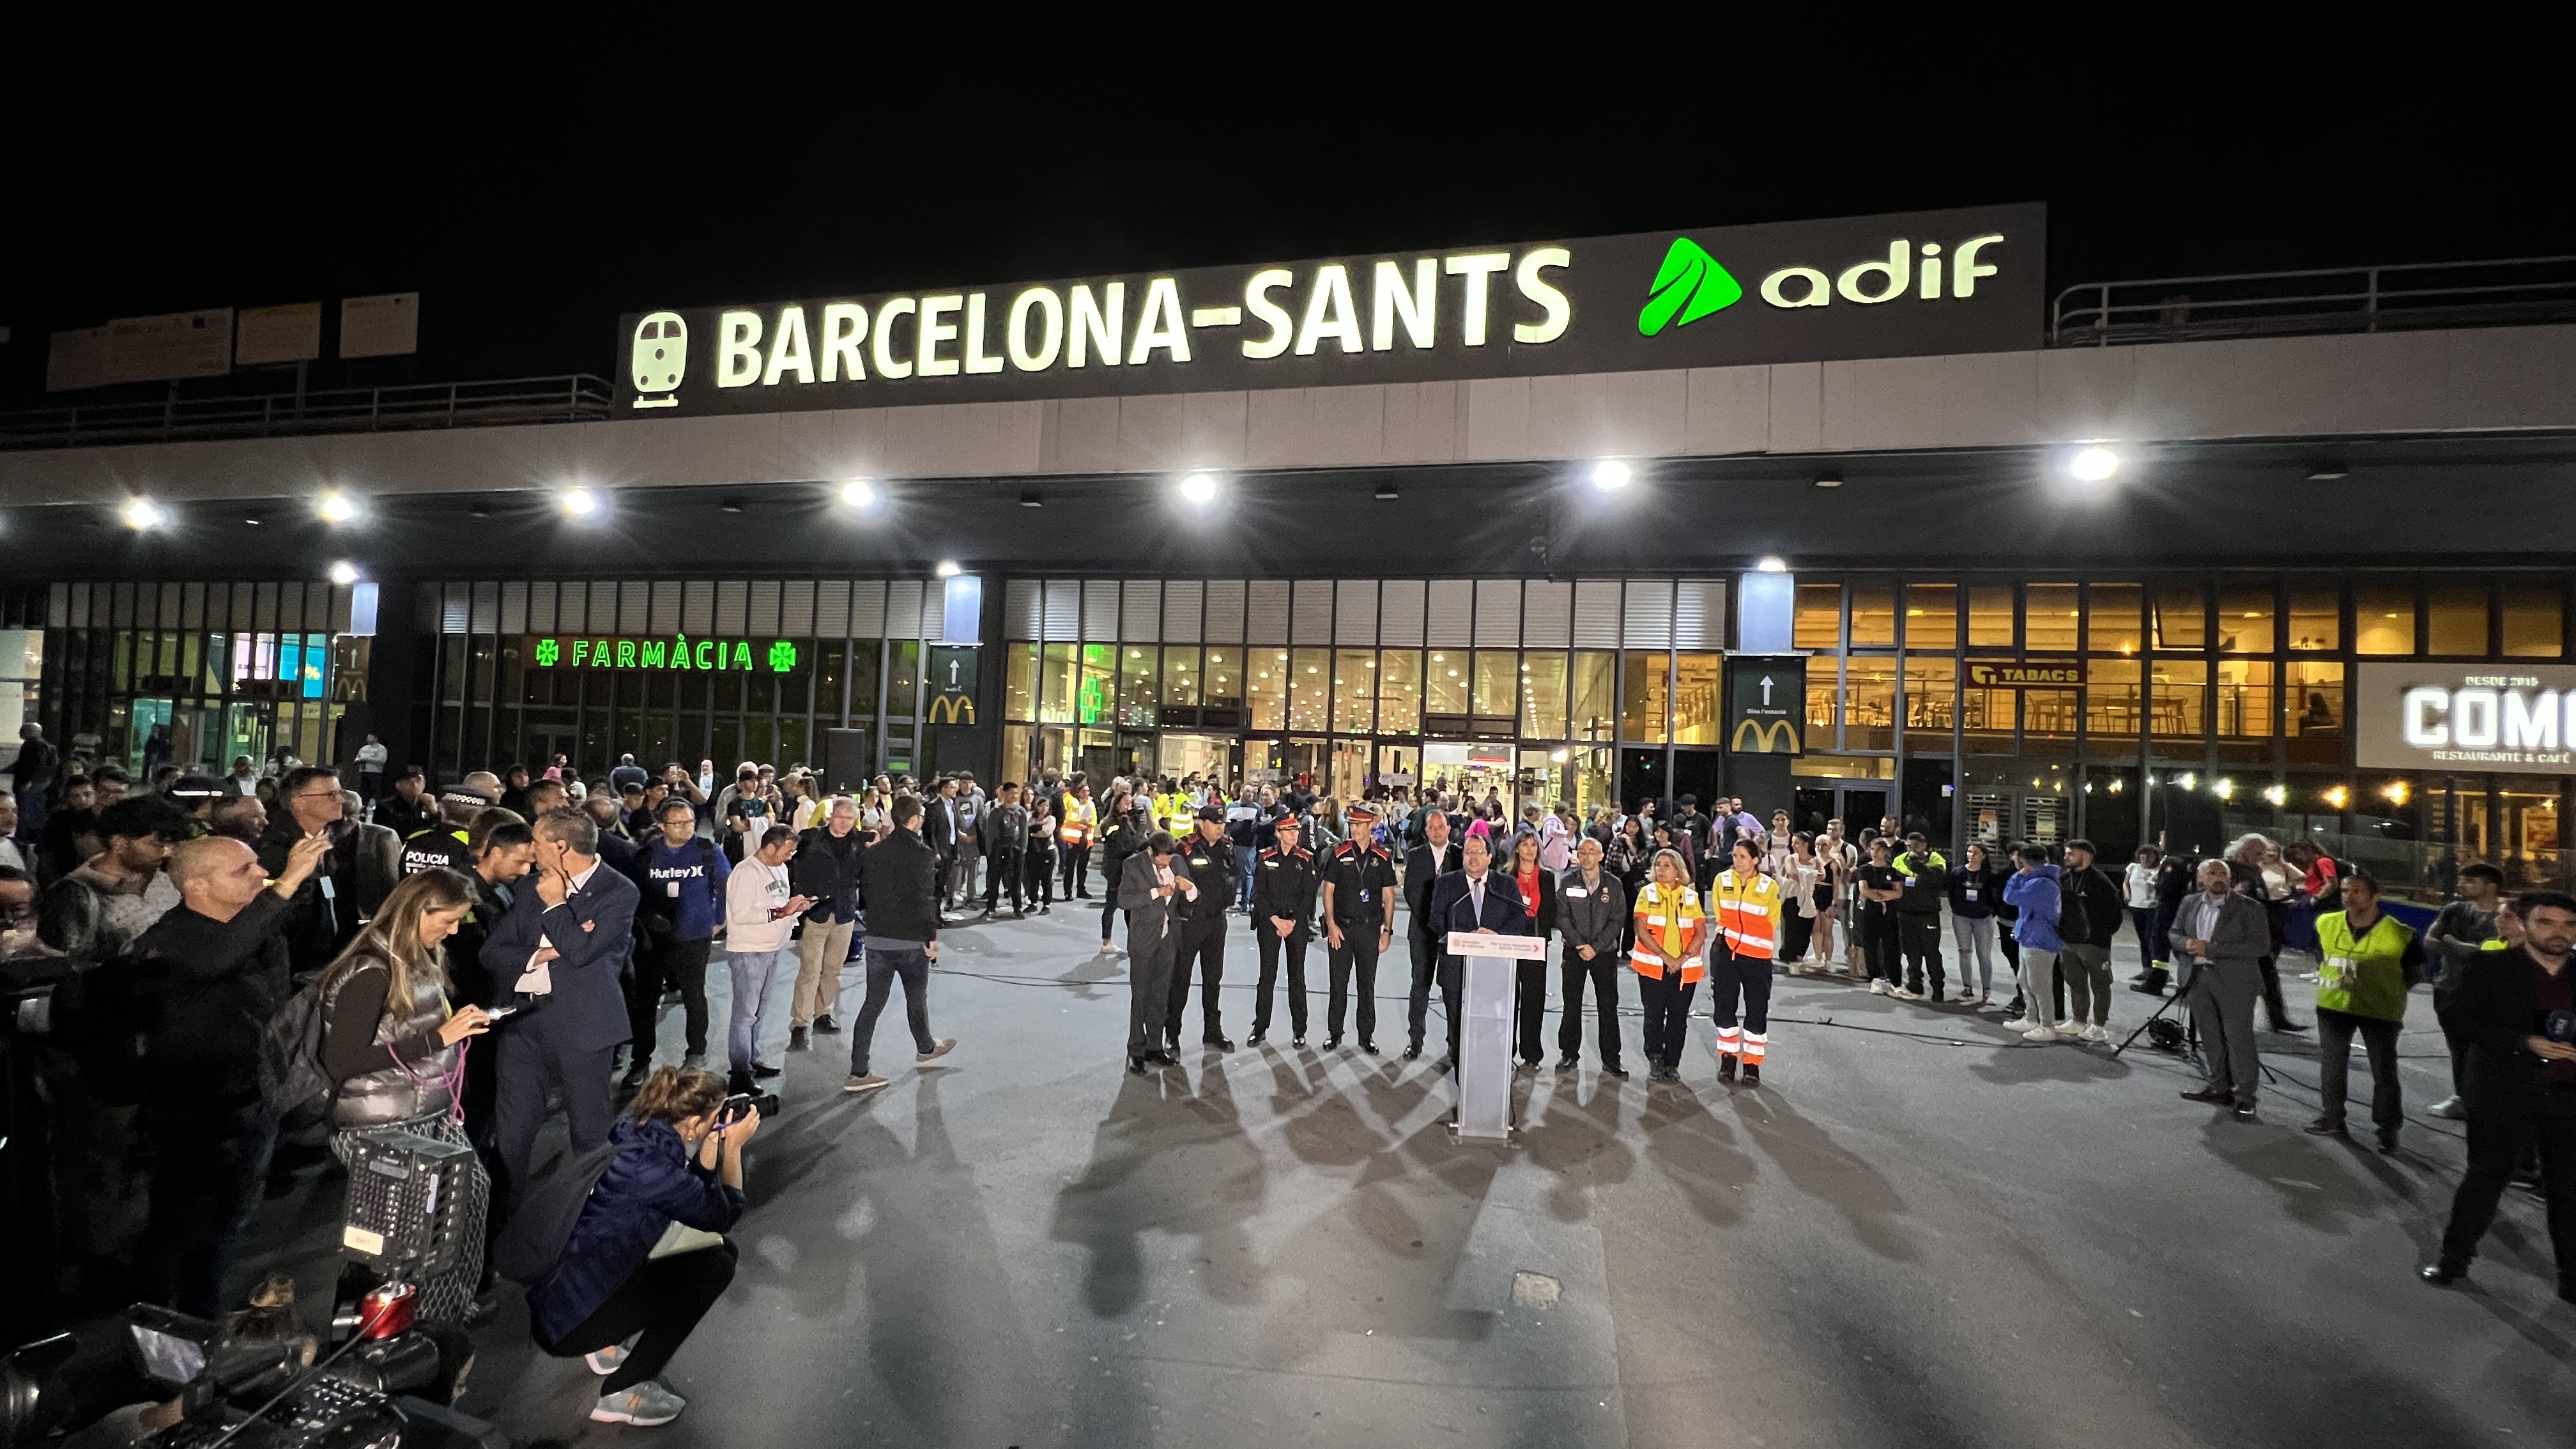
x=1671, y=916
x=1748, y=914
x=1079, y=814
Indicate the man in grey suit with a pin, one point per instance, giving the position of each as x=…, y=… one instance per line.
x=557, y=955
x=1146, y=889
x=2221, y=938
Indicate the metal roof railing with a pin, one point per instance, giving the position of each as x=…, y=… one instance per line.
x=576, y=398
x=2518, y=290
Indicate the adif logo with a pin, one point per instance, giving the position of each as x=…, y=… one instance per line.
x=660, y=359
x=1692, y=284
x=1688, y=286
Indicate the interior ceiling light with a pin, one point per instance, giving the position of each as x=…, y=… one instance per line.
x=1199, y=488
x=142, y=513
x=858, y=493
x=336, y=507
x=1385, y=491
x=1609, y=474
x=1829, y=480
x=731, y=505
x=579, y=502
x=1031, y=498
x=344, y=573
x=2093, y=465
x=2326, y=470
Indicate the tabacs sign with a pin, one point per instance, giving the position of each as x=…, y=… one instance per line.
x=674, y=654
x=2465, y=718
x=2013, y=674
x=1914, y=284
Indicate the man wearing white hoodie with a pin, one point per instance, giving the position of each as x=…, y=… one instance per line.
x=760, y=913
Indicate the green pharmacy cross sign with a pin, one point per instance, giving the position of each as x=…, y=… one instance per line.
x=674, y=654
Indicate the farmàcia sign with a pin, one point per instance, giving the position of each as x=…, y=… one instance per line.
x=675, y=653
x=1912, y=284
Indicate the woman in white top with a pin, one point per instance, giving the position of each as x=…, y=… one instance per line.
x=760, y=913
x=1798, y=888
x=2142, y=907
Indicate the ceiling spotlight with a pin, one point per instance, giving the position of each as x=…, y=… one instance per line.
x=579, y=502
x=947, y=569
x=1829, y=480
x=1030, y=498
x=2093, y=465
x=344, y=573
x=1199, y=488
x=478, y=509
x=1772, y=563
x=730, y=505
x=1385, y=491
x=858, y=493
x=335, y=507
x=2326, y=470
x=1609, y=473
x=142, y=513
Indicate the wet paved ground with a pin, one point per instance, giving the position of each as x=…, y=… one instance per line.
x=1920, y=1231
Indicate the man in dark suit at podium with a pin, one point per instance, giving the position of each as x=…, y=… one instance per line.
x=1474, y=898
x=558, y=954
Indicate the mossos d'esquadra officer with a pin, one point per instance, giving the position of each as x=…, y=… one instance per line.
x=1284, y=883
x=1359, y=922
x=1198, y=921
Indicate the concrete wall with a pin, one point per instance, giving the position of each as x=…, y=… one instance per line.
x=2489, y=380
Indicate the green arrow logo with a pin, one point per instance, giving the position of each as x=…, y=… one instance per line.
x=1688, y=286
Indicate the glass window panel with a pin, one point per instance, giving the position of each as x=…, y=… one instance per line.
x=1399, y=692
x=2383, y=618
x=1310, y=696
x=1140, y=681
x=1869, y=703
x=2048, y=727
x=2113, y=628
x=1543, y=696
x=1986, y=719
x=1990, y=616
x=1642, y=712
x=1820, y=617
x=2049, y=617
x=1020, y=681
x=1931, y=704
x=1180, y=678
x=2182, y=617
x=2181, y=687
x=2316, y=616
x=1055, y=684
x=903, y=680
x=1932, y=616
x=2535, y=618
x=1695, y=718
x=2315, y=687
x=2455, y=617
x=1221, y=685
x=1824, y=687
x=831, y=668
x=2245, y=698
x=1596, y=672
x=2245, y=618
x=1498, y=683
x=1444, y=683
x=1093, y=700
x=1873, y=612
x=1354, y=692
x=2111, y=706
x=1266, y=688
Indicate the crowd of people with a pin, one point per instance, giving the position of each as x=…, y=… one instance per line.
x=488, y=955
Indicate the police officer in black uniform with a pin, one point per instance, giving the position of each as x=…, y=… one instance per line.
x=1359, y=918
x=446, y=845
x=1284, y=881
x=1199, y=920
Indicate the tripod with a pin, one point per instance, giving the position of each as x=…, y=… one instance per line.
x=2191, y=1034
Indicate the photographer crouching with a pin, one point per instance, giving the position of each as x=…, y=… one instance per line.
x=628, y=1284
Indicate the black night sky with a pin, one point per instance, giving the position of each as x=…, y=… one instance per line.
x=531, y=190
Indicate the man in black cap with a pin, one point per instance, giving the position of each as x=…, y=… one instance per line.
x=1283, y=912
x=447, y=843
x=409, y=805
x=1199, y=922
x=1359, y=923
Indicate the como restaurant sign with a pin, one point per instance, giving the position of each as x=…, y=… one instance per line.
x=1914, y=284
x=2466, y=718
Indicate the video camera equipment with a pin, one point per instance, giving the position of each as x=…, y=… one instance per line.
x=409, y=1211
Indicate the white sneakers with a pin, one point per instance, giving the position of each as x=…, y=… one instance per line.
x=2020, y=1023
x=2069, y=1028
x=2041, y=1033
x=645, y=1405
x=2451, y=1107
x=1878, y=986
x=2095, y=1035
x=1901, y=994
x=938, y=1049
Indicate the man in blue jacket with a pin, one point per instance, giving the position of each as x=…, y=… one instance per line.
x=683, y=879
x=557, y=955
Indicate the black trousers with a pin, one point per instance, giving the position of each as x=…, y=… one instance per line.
x=1425, y=946
x=668, y=961
x=1918, y=936
x=209, y=1169
x=1268, y=936
x=1603, y=972
x=1358, y=952
x=2335, y=1031
x=1797, y=933
x=1077, y=872
x=532, y=1065
x=1667, y=999
x=1729, y=976
x=1877, y=927
x=2275, y=1010
x=1201, y=941
x=2500, y=1126
x=1040, y=870
x=1004, y=869
x=2456, y=1036
x=1529, y=1008
x=662, y=1302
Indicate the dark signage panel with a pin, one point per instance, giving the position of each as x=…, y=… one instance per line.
x=1908, y=285
x=1766, y=704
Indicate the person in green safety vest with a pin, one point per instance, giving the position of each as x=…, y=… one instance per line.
x=2367, y=961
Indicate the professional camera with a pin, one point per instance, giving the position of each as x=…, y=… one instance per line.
x=740, y=1104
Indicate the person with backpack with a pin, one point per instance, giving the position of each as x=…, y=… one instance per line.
x=590, y=1242
x=682, y=875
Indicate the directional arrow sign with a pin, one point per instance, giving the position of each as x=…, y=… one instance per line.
x=1766, y=689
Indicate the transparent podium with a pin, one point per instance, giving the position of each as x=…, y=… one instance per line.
x=1485, y=1031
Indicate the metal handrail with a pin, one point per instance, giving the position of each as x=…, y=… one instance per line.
x=571, y=398
x=2097, y=314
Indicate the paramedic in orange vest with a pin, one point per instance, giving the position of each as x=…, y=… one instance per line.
x=1079, y=821
x=1670, y=933
x=1746, y=904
